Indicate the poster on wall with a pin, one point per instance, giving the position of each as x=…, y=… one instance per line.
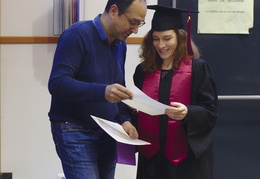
x=225, y=16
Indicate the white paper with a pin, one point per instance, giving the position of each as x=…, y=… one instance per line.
x=144, y=103
x=117, y=132
x=225, y=16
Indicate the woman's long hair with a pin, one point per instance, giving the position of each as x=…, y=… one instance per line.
x=150, y=58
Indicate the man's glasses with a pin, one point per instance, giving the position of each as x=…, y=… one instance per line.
x=134, y=24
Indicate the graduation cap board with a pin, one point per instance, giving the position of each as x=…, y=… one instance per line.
x=169, y=18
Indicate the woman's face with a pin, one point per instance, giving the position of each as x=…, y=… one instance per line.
x=165, y=43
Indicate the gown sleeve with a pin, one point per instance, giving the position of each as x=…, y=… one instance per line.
x=202, y=113
x=139, y=76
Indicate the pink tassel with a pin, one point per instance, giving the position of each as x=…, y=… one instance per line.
x=189, y=47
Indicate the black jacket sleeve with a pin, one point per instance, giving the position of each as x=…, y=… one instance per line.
x=202, y=113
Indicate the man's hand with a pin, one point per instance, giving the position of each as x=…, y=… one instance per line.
x=115, y=93
x=130, y=130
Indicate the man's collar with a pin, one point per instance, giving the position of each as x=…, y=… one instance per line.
x=101, y=31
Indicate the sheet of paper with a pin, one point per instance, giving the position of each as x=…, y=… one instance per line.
x=225, y=16
x=117, y=132
x=144, y=103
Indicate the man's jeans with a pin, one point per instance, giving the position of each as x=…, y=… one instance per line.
x=84, y=153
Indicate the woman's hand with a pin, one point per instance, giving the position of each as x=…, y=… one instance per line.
x=178, y=111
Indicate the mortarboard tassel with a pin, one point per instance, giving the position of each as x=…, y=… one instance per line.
x=189, y=47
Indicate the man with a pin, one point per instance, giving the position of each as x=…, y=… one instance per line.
x=87, y=78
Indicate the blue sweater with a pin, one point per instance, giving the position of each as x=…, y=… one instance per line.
x=84, y=64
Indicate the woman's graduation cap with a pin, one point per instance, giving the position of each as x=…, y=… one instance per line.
x=169, y=18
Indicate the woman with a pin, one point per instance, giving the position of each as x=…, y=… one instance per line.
x=181, y=140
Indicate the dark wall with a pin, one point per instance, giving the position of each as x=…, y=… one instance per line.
x=237, y=140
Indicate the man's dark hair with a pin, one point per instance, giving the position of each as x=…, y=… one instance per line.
x=121, y=4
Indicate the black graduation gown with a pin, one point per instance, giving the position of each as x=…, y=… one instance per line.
x=201, y=118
